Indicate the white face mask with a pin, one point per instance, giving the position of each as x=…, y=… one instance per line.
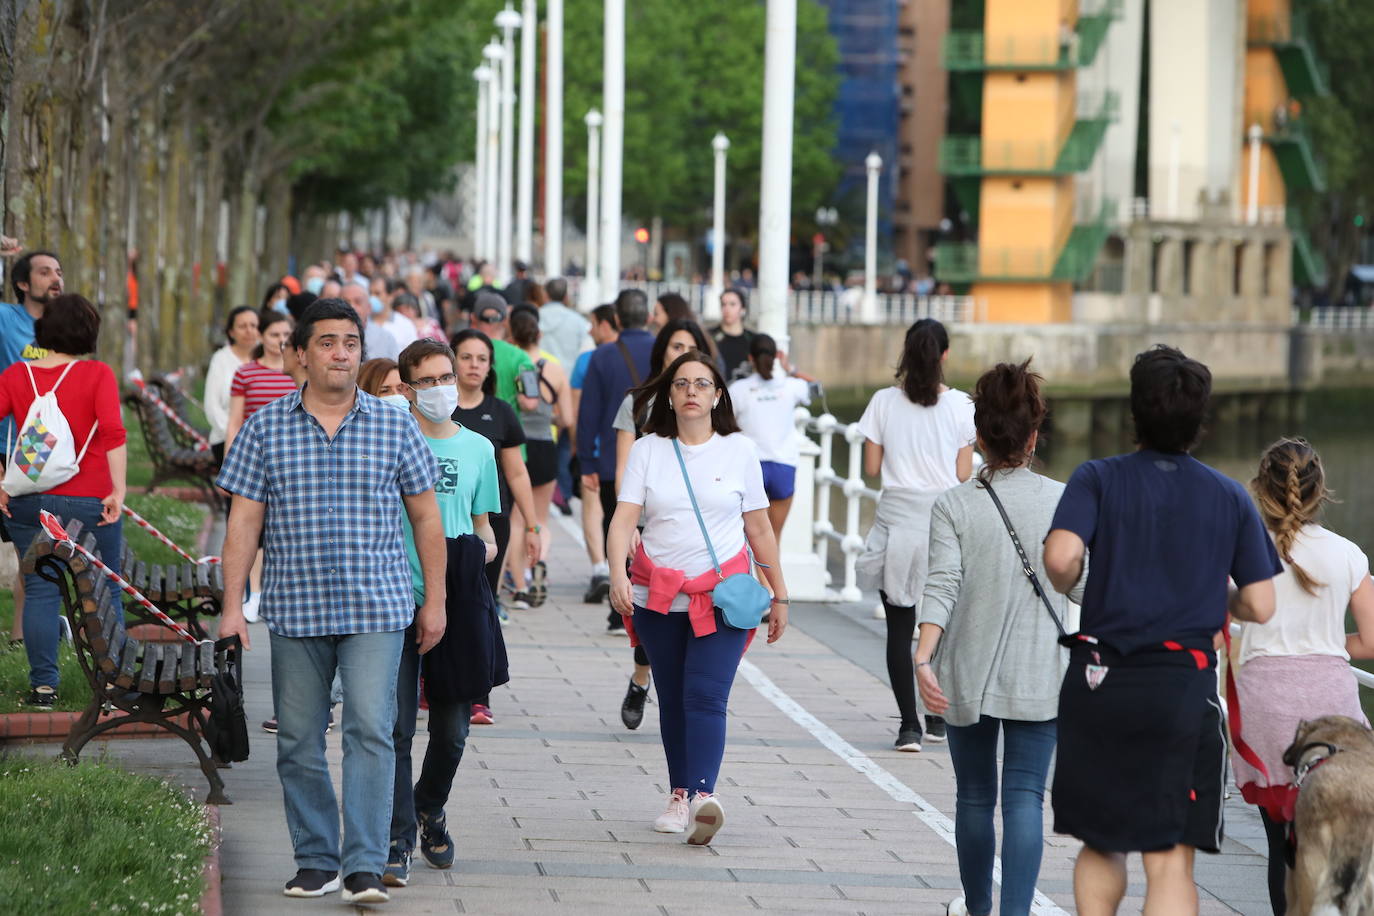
x=438, y=403
x=396, y=400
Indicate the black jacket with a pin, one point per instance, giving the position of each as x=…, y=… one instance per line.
x=471, y=658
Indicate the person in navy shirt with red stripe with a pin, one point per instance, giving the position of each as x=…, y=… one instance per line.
x=1141, y=764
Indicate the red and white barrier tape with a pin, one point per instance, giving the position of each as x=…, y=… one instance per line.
x=59, y=534
x=147, y=526
x=202, y=444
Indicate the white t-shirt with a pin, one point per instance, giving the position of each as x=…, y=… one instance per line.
x=1306, y=624
x=920, y=444
x=765, y=408
x=728, y=482
x=402, y=330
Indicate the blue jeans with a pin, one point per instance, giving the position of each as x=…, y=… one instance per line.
x=302, y=671
x=564, y=477
x=42, y=599
x=692, y=678
x=1027, y=748
x=448, y=735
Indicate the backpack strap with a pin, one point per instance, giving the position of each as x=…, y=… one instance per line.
x=629, y=362
x=90, y=436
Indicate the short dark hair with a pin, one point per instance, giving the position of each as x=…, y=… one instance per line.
x=70, y=325
x=524, y=327
x=23, y=269
x=326, y=310
x=409, y=299
x=557, y=288
x=417, y=352
x=462, y=337
x=298, y=303
x=632, y=307
x=606, y=313
x=1169, y=398
x=662, y=421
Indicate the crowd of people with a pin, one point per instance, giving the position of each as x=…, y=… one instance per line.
x=395, y=437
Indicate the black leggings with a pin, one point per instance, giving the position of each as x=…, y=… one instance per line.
x=1277, y=834
x=500, y=527
x=606, y=494
x=901, y=626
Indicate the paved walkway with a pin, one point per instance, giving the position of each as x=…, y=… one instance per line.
x=552, y=805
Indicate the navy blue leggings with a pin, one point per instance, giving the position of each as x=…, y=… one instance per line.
x=692, y=678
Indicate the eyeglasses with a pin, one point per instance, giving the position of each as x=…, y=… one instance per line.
x=430, y=381
x=700, y=384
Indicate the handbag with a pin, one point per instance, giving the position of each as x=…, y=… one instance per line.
x=1026, y=566
x=226, y=726
x=740, y=597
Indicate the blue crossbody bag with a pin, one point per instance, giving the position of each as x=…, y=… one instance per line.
x=740, y=597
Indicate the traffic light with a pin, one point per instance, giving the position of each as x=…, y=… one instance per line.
x=642, y=235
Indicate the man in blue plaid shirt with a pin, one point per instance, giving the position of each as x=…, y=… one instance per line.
x=322, y=476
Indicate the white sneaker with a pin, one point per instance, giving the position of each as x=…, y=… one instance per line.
x=674, y=820
x=956, y=907
x=879, y=612
x=250, y=607
x=706, y=817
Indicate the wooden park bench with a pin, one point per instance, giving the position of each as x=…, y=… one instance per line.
x=171, y=459
x=172, y=395
x=186, y=592
x=166, y=684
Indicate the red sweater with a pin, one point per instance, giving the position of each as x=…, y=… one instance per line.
x=88, y=393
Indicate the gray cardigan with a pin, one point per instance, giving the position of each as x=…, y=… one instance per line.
x=999, y=654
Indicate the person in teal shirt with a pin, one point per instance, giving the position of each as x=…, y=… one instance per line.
x=467, y=491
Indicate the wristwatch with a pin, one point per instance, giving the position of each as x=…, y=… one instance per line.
x=782, y=601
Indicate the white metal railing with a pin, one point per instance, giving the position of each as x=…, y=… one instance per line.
x=825, y=306
x=851, y=541
x=1338, y=318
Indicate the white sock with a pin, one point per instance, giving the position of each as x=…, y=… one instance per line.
x=601, y=569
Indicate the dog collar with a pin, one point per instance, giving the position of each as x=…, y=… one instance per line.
x=1306, y=766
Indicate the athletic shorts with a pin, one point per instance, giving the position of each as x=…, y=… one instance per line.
x=1141, y=761
x=541, y=460
x=779, y=480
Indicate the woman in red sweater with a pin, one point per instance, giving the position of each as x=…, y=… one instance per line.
x=89, y=398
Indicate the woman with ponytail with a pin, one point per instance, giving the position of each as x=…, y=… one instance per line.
x=919, y=434
x=1294, y=667
x=988, y=659
x=765, y=405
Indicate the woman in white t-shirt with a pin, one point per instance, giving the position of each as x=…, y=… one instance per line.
x=666, y=597
x=765, y=408
x=919, y=434
x=242, y=331
x=1296, y=666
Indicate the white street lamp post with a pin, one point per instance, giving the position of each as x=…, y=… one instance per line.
x=553, y=142
x=508, y=20
x=1175, y=158
x=591, y=286
x=613, y=142
x=1252, y=205
x=479, y=210
x=495, y=55
x=711, y=308
x=868, y=310
x=524, y=199
x=775, y=194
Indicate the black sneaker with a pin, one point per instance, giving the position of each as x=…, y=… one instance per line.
x=397, y=872
x=312, y=882
x=435, y=844
x=539, y=585
x=632, y=708
x=598, y=591
x=935, y=729
x=615, y=623
x=909, y=739
x=364, y=887
x=270, y=726
x=41, y=699
x=520, y=601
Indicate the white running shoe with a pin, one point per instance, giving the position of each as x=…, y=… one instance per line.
x=674, y=820
x=957, y=907
x=879, y=612
x=250, y=607
x=706, y=817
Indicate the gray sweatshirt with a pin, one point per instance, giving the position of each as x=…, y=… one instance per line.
x=999, y=654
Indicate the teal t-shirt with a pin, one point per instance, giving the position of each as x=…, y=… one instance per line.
x=466, y=487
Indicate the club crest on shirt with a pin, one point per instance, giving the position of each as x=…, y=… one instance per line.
x=448, y=475
x=1095, y=674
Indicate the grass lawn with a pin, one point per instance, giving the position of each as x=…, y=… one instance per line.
x=95, y=838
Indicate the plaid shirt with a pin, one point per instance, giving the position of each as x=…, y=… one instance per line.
x=335, y=562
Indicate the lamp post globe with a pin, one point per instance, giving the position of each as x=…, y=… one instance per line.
x=720, y=143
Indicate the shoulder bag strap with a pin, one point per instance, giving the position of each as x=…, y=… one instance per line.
x=630, y=364
x=693, y=497
x=1026, y=566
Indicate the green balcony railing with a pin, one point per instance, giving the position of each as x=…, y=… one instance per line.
x=1296, y=153
x=968, y=262
x=1303, y=73
x=1079, y=255
x=964, y=156
x=968, y=50
x=1309, y=267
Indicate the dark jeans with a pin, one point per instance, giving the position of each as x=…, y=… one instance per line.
x=564, y=464
x=901, y=626
x=448, y=735
x=692, y=678
x=42, y=599
x=1027, y=748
